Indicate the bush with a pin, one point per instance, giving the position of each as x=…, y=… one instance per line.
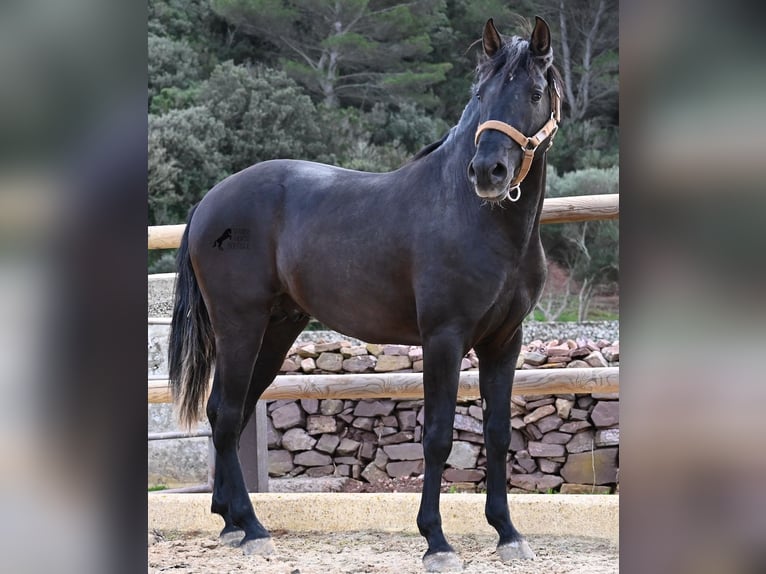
x=171, y=64
x=265, y=113
x=187, y=140
x=589, y=181
x=162, y=261
x=588, y=251
x=407, y=125
x=583, y=144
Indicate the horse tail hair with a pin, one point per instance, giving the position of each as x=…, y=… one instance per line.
x=191, y=349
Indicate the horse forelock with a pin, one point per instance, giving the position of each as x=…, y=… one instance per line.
x=511, y=54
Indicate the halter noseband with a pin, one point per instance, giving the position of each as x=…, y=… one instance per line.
x=528, y=144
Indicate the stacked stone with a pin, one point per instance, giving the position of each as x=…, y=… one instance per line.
x=566, y=443
x=346, y=357
x=360, y=439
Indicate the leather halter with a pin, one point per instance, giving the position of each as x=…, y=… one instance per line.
x=528, y=144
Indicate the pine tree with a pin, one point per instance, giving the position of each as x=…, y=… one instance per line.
x=348, y=51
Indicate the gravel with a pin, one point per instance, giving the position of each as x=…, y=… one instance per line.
x=375, y=552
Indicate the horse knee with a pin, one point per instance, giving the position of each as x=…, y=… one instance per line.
x=497, y=435
x=437, y=442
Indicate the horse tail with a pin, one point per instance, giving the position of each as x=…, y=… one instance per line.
x=191, y=349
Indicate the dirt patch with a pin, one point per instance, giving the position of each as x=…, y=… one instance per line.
x=375, y=553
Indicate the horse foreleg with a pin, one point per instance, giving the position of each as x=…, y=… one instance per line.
x=441, y=372
x=496, y=370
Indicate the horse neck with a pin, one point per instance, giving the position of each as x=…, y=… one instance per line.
x=451, y=161
x=444, y=171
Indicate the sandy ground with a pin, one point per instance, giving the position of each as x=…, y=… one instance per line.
x=373, y=552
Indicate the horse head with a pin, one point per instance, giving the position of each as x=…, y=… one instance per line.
x=517, y=94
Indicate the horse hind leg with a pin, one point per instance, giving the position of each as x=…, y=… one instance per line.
x=279, y=336
x=237, y=351
x=231, y=534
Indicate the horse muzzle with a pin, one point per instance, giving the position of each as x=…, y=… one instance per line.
x=490, y=178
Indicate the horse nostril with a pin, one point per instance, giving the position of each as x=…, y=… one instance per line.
x=499, y=173
x=471, y=173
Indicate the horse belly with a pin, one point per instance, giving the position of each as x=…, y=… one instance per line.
x=354, y=296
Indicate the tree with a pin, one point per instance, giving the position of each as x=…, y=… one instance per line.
x=456, y=42
x=173, y=66
x=162, y=173
x=586, y=52
x=265, y=113
x=187, y=140
x=589, y=251
x=239, y=116
x=350, y=51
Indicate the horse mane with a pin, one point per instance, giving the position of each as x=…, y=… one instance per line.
x=429, y=148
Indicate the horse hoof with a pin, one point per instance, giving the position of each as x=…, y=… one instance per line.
x=232, y=538
x=515, y=551
x=442, y=562
x=258, y=546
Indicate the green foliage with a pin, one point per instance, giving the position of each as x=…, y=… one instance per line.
x=589, y=181
x=589, y=251
x=187, y=140
x=172, y=64
x=173, y=98
x=162, y=173
x=406, y=124
x=379, y=140
x=163, y=261
x=588, y=143
x=178, y=18
x=266, y=115
x=347, y=51
x=349, y=134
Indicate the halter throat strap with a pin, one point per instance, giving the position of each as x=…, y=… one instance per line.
x=528, y=145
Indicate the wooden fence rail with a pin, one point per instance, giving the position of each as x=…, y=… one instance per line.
x=410, y=385
x=555, y=210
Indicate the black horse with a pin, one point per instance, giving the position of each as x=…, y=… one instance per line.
x=444, y=252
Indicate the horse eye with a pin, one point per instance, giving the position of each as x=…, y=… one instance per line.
x=537, y=96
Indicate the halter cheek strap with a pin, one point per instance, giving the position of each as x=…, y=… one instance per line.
x=528, y=145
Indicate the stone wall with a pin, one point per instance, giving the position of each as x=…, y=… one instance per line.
x=566, y=443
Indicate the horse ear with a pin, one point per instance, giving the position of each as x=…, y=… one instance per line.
x=491, y=40
x=540, y=42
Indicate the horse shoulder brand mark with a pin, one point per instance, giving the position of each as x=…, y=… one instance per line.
x=239, y=238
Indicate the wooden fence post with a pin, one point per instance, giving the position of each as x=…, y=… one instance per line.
x=253, y=451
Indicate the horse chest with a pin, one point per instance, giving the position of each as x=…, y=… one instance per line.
x=518, y=294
